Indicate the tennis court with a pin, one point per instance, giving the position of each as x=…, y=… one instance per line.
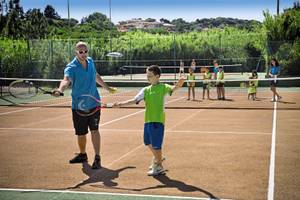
x=233, y=149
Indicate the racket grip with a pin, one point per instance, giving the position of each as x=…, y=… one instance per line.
x=54, y=92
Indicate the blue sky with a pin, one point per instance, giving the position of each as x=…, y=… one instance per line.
x=189, y=10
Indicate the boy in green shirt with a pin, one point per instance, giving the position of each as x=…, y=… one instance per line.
x=154, y=96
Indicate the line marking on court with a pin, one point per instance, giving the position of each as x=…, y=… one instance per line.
x=26, y=109
x=139, y=131
x=105, y=193
x=45, y=106
x=16, y=111
x=187, y=118
x=272, y=156
x=120, y=118
x=43, y=121
x=132, y=114
x=177, y=124
x=125, y=155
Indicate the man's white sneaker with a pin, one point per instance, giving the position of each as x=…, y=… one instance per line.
x=156, y=170
x=153, y=162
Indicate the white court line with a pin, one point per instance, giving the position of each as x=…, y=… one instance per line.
x=272, y=156
x=186, y=119
x=139, y=131
x=126, y=116
x=120, y=118
x=26, y=109
x=49, y=105
x=125, y=155
x=105, y=193
x=16, y=111
x=45, y=120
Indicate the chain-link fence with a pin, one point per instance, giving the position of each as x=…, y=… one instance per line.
x=48, y=58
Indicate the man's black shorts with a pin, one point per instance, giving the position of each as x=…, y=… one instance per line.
x=81, y=124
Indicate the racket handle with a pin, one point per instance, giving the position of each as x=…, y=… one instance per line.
x=55, y=92
x=107, y=105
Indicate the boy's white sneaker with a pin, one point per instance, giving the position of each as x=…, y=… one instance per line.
x=278, y=98
x=156, y=170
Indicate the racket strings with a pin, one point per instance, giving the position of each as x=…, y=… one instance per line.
x=22, y=89
x=87, y=105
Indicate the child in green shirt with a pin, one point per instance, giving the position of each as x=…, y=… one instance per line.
x=206, y=82
x=191, y=84
x=154, y=96
x=252, y=89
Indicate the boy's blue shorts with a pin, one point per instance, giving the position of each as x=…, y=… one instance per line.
x=154, y=134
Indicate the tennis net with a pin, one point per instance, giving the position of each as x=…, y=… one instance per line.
x=236, y=94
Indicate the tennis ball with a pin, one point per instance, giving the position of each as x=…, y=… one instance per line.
x=113, y=90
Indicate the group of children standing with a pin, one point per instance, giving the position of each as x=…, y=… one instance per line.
x=218, y=75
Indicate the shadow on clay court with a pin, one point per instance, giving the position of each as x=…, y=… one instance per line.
x=286, y=102
x=171, y=183
x=103, y=175
x=167, y=182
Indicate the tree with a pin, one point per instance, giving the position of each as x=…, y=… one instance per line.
x=150, y=20
x=3, y=9
x=50, y=13
x=283, y=38
x=36, y=24
x=283, y=27
x=181, y=25
x=15, y=15
x=97, y=21
x=165, y=21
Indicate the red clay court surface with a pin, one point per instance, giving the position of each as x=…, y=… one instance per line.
x=221, y=150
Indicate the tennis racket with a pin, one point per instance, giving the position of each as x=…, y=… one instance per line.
x=88, y=105
x=26, y=89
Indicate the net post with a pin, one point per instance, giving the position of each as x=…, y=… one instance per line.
x=174, y=54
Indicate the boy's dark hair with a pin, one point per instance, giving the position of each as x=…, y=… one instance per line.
x=154, y=69
x=215, y=61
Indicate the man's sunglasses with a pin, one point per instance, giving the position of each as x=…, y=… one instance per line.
x=82, y=52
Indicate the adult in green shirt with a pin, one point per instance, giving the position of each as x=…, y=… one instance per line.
x=154, y=97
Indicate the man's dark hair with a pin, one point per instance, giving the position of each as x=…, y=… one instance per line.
x=154, y=69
